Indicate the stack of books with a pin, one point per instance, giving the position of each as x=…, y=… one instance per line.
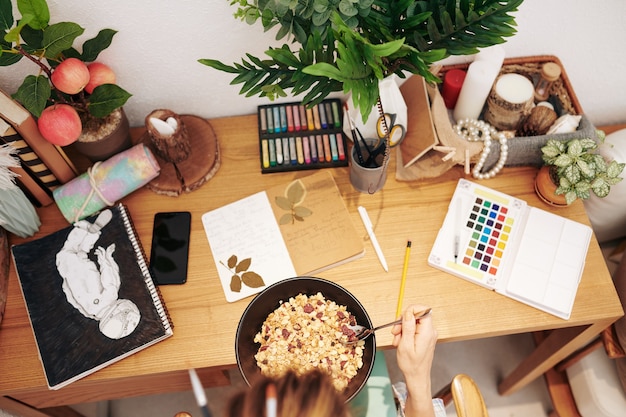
x=44, y=166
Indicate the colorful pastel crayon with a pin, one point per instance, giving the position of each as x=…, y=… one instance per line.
x=340, y=149
x=334, y=153
x=279, y=152
x=270, y=121
x=327, y=153
x=313, y=148
x=290, y=126
x=309, y=119
x=329, y=114
x=316, y=118
x=276, y=113
x=283, y=119
x=265, y=153
x=293, y=155
x=336, y=118
x=303, y=117
x=299, y=150
x=322, y=112
x=263, y=120
x=272, y=149
x=286, y=153
x=319, y=143
x=296, y=117
x=307, y=150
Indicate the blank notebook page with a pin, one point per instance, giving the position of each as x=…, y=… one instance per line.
x=549, y=262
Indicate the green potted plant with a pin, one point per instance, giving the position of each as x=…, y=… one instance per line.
x=349, y=46
x=574, y=169
x=72, y=94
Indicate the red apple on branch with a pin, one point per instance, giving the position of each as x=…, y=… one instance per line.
x=70, y=76
x=60, y=124
x=99, y=74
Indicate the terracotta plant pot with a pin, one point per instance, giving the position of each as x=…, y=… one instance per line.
x=109, y=142
x=545, y=186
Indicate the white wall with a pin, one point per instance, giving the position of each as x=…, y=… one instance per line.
x=159, y=42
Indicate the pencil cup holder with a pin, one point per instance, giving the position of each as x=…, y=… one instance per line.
x=367, y=179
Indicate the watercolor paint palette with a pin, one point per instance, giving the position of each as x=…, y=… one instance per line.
x=295, y=137
x=498, y=241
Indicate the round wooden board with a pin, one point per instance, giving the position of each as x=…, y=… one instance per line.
x=201, y=166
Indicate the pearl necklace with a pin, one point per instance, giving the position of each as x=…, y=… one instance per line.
x=474, y=130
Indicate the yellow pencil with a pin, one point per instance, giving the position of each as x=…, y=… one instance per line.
x=405, y=268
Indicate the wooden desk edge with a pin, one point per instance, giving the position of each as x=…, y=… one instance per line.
x=92, y=391
x=177, y=381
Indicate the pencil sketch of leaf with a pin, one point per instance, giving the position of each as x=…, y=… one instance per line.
x=235, y=283
x=243, y=265
x=252, y=279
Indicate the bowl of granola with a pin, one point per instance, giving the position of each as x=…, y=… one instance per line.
x=300, y=324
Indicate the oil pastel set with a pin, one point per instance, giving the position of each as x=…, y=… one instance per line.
x=293, y=136
x=498, y=241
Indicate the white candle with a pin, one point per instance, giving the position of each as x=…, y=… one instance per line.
x=514, y=88
x=476, y=87
x=493, y=54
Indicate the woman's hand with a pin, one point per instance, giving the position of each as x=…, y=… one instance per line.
x=415, y=343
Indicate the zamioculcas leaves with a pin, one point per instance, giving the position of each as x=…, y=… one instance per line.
x=350, y=45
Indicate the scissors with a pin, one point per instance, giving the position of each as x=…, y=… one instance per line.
x=386, y=127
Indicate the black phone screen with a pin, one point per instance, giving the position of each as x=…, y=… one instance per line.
x=170, y=247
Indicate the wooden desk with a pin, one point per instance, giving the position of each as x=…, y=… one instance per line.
x=205, y=323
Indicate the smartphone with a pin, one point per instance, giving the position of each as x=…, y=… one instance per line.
x=170, y=247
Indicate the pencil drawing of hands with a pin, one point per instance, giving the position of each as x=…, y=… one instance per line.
x=92, y=288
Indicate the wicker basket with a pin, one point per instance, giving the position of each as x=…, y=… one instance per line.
x=526, y=150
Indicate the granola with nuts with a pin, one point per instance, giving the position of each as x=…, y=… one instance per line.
x=309, y=332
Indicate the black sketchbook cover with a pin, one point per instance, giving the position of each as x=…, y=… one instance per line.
x=90, y=296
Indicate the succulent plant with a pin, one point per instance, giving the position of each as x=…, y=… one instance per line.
x=579, y=170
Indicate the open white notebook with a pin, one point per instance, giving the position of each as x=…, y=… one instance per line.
x=498, y=241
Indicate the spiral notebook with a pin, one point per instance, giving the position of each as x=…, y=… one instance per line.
x=90, y=297
x=525, y=253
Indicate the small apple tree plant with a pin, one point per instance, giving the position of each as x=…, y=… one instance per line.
x=71, y=89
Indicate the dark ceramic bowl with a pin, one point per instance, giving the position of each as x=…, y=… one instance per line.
x=268, y=300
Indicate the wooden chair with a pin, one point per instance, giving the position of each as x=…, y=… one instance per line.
x=556, y=378
x=466, y=395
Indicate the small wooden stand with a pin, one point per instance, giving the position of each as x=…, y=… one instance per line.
x=188, y=159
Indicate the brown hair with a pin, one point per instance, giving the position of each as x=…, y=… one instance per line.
x=308, y=395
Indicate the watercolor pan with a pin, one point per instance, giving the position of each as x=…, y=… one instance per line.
x=293, y=137
x=498, y=241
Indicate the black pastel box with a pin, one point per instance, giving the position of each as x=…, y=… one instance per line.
x=293, y=136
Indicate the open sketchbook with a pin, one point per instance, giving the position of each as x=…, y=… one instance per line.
x=298, y=228
x=525, y=253
x=90, y=297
